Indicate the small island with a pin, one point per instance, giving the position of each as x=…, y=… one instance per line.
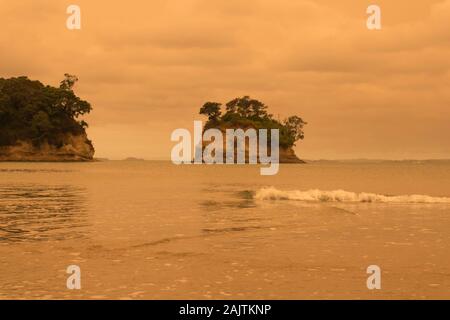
x=41, y=123
x=247, y=113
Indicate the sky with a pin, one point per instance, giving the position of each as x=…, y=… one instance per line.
x=148, y=66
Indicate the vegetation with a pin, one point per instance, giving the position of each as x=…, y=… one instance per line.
x=250, y=113
x=31, y=111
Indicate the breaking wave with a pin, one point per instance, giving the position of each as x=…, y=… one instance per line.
x=316, y=195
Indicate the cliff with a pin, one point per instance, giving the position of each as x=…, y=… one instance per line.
x=73, y=148
x=42, y=123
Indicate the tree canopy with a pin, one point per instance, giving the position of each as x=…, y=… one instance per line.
x=246, y=112
x=32, y=111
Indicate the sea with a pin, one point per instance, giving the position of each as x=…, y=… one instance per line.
x=155, y=230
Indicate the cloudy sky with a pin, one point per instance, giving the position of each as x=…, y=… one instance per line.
x=148, y=66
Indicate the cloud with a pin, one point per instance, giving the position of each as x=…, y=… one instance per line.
x=147, y=66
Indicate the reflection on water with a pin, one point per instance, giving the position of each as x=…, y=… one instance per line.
x=41, y=212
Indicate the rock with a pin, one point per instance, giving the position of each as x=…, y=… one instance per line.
x=289, y=156
x=74, y=148
x=286, y=155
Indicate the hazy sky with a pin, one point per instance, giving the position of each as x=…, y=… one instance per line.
x=148, y=66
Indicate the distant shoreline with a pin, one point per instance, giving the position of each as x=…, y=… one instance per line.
x=306, y=161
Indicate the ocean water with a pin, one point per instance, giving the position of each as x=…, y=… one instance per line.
x=153, y=230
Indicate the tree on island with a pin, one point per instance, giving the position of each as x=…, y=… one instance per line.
x=31, y=111
x=246, y=113
x=212, y=110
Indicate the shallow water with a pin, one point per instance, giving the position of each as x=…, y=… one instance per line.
x=154, y=230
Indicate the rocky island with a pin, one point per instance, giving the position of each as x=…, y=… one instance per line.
x=41, y=123
x=247, y=113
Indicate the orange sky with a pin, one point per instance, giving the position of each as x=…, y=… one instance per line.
x=148, y=66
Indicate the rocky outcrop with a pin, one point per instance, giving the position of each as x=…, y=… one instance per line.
x=73, y=148
x=286, y=155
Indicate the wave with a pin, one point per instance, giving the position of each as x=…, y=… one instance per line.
x=316, y=195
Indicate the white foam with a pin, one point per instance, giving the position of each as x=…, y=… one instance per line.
x=316, y=195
